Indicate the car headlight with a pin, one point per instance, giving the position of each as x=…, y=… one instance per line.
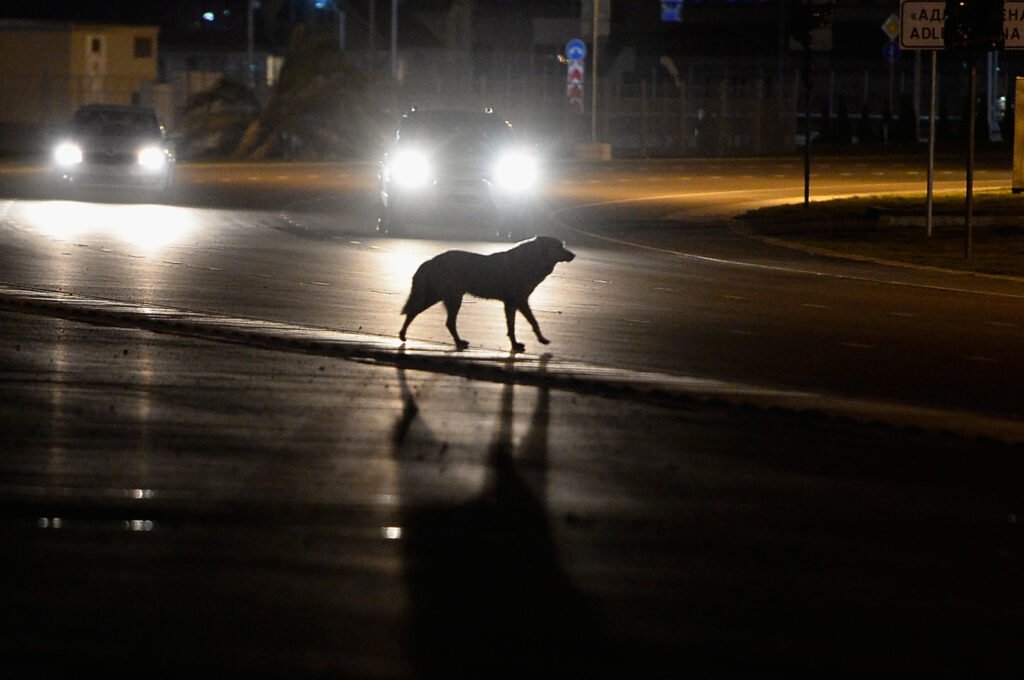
x=410, y=169
x=152, y=157
x=515, y=171
x=67, y=154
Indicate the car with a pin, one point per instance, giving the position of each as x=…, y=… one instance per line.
x=467, y=168
x=108, y=146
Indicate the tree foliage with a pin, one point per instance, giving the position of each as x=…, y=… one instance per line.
x=319, y=108
x=215, y=120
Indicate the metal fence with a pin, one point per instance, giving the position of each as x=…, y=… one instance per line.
x=742, y=107
x=721, y=108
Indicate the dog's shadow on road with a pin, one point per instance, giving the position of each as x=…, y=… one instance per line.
x=488, y=595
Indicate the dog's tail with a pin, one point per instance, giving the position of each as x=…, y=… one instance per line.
x=407, y=306
x=418, y=296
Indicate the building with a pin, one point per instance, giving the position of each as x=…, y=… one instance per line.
x=48, y=69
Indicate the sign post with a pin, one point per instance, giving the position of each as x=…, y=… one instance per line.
x=593, y=89
x=923, y=26
x=575, y=53
x=921, y=29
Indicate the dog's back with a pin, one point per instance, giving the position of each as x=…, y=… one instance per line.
x=509, y=276
x=442, y=277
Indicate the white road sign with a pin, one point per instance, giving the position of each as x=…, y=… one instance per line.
x=921, y=24
x=891, y=27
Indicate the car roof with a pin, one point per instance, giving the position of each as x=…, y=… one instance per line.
x=454, y=116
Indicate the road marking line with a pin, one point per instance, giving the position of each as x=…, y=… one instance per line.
x=820, y=274
x=499, y=366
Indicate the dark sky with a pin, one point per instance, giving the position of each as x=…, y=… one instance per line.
x=132, y=11
x=181, y=20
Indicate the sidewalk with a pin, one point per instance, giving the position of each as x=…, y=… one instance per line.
x=893, y=231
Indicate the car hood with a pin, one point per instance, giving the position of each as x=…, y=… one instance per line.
x=116, y=142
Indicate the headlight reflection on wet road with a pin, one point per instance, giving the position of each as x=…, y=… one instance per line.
x=147, y=228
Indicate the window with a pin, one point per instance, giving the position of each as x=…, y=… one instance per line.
x=143, y=47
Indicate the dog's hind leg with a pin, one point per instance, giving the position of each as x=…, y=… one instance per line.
x=409, y=316
x=510, y=323
x=453, y=304
x=528, y=313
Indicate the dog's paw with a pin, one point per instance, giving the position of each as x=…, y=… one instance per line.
x=543, y=340
x=461, y=344
x=518, y=347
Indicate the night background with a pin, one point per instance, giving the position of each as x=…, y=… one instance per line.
x=718, y=370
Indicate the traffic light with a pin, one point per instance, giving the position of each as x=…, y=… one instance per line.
x=805, y=16
x=973, y=24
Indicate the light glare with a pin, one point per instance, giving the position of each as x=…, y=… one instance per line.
x=147, y=228
x=152, y=158
x=516, y=171
x=67, y=154
x=411, y=169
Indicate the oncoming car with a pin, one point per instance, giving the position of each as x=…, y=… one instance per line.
x=458, y=167
x=107, y=146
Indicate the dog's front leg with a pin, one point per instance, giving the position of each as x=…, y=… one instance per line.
x=452, y=305
x=528, y=313
x=510, y=323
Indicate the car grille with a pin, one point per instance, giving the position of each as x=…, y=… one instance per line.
x=109, y=157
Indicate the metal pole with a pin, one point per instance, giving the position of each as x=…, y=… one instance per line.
x=341, y=26
x=250, y=75
x=990, y=96
x=931, y=144
x=371, y=37
x=782, y=52
x=807, y=125
x=593, y=89
x=394, y=39
x=917, y=95
x=970, y=157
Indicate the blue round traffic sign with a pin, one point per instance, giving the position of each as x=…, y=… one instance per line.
x=576, y=49
x=891, y=51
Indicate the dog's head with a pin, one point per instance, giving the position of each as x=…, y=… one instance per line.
x=553, y=249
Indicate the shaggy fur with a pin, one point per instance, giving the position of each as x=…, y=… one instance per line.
x=509, y=276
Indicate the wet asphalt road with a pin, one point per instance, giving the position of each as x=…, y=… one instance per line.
x=183, y=506
x=177, y=505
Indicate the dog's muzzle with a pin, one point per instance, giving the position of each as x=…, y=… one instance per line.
x=568, y=255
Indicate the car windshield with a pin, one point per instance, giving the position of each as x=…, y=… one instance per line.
x=463, y=130
x=115, y=122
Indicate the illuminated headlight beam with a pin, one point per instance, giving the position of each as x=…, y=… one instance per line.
x=152, y=157
x=515, y=171
x=410, y=169
x=67, y=154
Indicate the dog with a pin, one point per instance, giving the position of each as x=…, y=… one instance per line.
x=509, y=276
